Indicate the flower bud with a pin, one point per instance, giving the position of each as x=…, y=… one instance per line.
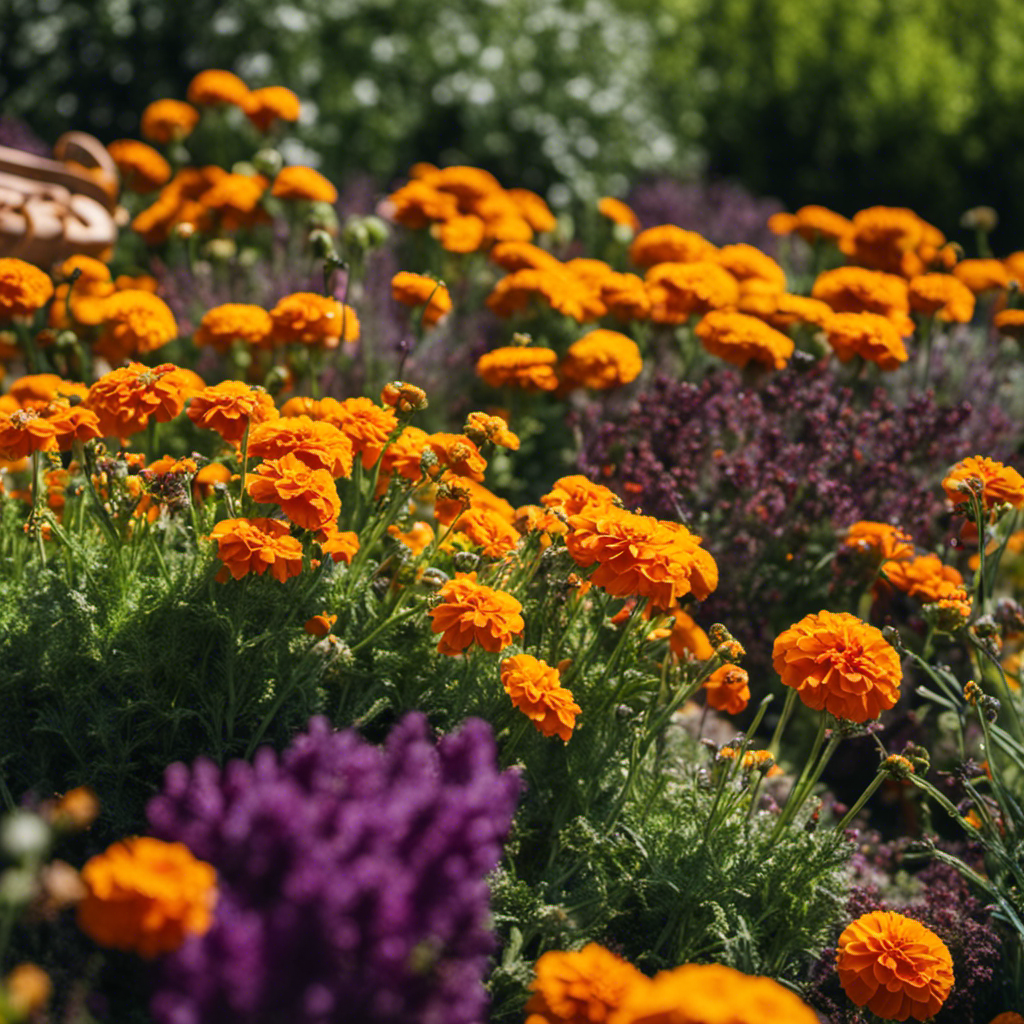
x=466, y=561
x=918, y=757
x=321, y=243
x=378, y=230
x=322, y=215
x=220, y=249
x=28, y=989
x=897, y=767
x=24, y=835
x=268, y=162
x=980, y=218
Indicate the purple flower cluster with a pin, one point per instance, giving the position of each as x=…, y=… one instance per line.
x=352, y=879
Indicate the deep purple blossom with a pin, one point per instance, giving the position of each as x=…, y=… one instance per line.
x=352, y=879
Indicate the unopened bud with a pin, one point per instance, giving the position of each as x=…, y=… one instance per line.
x=897, y=767
x=979, y=218
x=321, y=243
x=268, y=162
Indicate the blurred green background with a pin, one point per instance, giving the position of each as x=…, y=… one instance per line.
x=844, y=102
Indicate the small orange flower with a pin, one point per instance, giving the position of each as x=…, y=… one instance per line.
x=229, y=407
x=818, y=222
x=272, y=103
x=894, y=966
x=669, y=244
x=24, y=432
x=470, y=612
x=893, y=239
x=146, y=896
x=1000, y=483
x=728, y=689
x=480, y=428
x=307, y=496
x=404, y=454
x=982, y=275
x=533, y=209
x=417, y=204
x=840, y=664
x=513, y=256
x=555, y=285
x=37, y=390
x=223, y=325
x=525, y=367
x=73, y=423
x=142, y=168
x=924, y=577
x=1010, y=322
x=618, y=212
x=857, y=290
x=602, y=359
x=462, y=234
x=367, y=425
x=23, y=288
x=625, y=296
x=418, y=290
x=477, y=496
x=868, y=335
x=681, y=290
x=688, y=639
x=572, y=494
x=27, y=990
x=783, y=311
x=214, y=86
x=320, y=625
x=340, y=545
x=740, y=339
x=318, y=444
x=457, y=453
x=256, y=545
x=749, y=266
x=135, y=322
x=942, y=295
x=313, y=319
x=580, y=988
x=536, y=690
x=417, y=538
x=126, y=399
x=236, y=198
x=882, y=542
x=303, y=183
x=166, y=121
x=487, y=530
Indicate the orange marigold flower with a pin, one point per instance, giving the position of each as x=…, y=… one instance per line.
x=215, y=86
x=404, y=454
x=24, y=432
x=782, y=311
x=166, y=121
x=223, y=325
x=448, y=506
x=312, y=319
x=591, y=271
x=256, y=545
x=208, y=477
x=320, y=625
x=526, y=367
x=669, y=244
x=740, y=339
x=23, y=288
x=461, y=234
x=522, y=256
x=625, y=296
x=39, y=389
x=868, y=335
x=748, y=264
x=602, y=359
x=303, y=183
x=307, y=496
x=126, y=399
x=27, y=990
x=728, y=689
x=680, y=290
x=557, y=286
x=73, y=423
x=367, y=425
x=580, y=988
x=702, y=993
x=982, y=275
x=236, y=198
x=468, y=184
x=1000, y=483
x=301, y=405
x=1010, y=322
x=942, y=295
x=893, y=239
x=813, y=223
x=487, y=530
x=418, y=290
x=882, y=542
x=470, y=612
x=894, y=966
x=135, y=321
x=320, y=445
x=640, y=556
x=618, y=212
x=142, y=168
x=480, y=428
x=340, y=545
x=272, y=103
x=687, y=638
x=858, y=290
x=417, y=204
x=924, y=577
x=572, y=494
x=417, y=538
x=457, y=453
x=533, y=209
x=146, y=896
x=839, y=663
x=536, y=690
x=229, y=407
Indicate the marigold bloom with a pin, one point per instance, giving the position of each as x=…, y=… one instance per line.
x=462, y=234
x=579, y=988
x=457, y=453
x=404, y=454
x=840, y=664
x=591, y=271
x=942, y=295
x=417, y=204
x=303, y=183
x=868, y=335
x=73, y=423
x=256, y=545
x=894, y=966
x=668, y=244
x=215, y=86
x=1000, y=483
x=320, y=445
x=727, y=689
x=311, y=319
x=893, y=239
x=23, y=288
x=1010, y=322
x=340, y=545
x=166, y=121
x=740, y=339
x=126, y=399
x=307, y=496
x=572, y=494
x=480, y=428
x=680, y=290
x=487, y=530
x=748, y=264
x=882, y=542
x=924, y=577
x=478, y=496
x=367, y=425
x=688, y=639
x=223, y=325
x=640, y=556
x=706, y=993
x=418, y=290
x=618, y=212
x=625, y=296
x=236, y=199
x=526, y=367
x=37, y=390
x=857, y=290
x=24, y=432
x=533, y=209
x=135, y=321
x=417, y=538
x=558, y=287
x=142, y=168
x=229, y=407
x=272, y=103
x=602, y=359
x=982, y=275
x=513, y=256
x=784, y=310
x=536, y=690
x=470, y=612
x=146, y=896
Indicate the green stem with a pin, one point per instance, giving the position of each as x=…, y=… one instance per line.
x=787, y=711
x=868, y=793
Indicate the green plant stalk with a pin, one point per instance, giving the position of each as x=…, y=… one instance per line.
x=787, y=712
x=868, y=793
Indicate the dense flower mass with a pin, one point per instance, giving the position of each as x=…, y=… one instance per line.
x=840, y=664
x=536, y=690
x=352, y=879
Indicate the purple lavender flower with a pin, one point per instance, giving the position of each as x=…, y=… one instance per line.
x=352, y=879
